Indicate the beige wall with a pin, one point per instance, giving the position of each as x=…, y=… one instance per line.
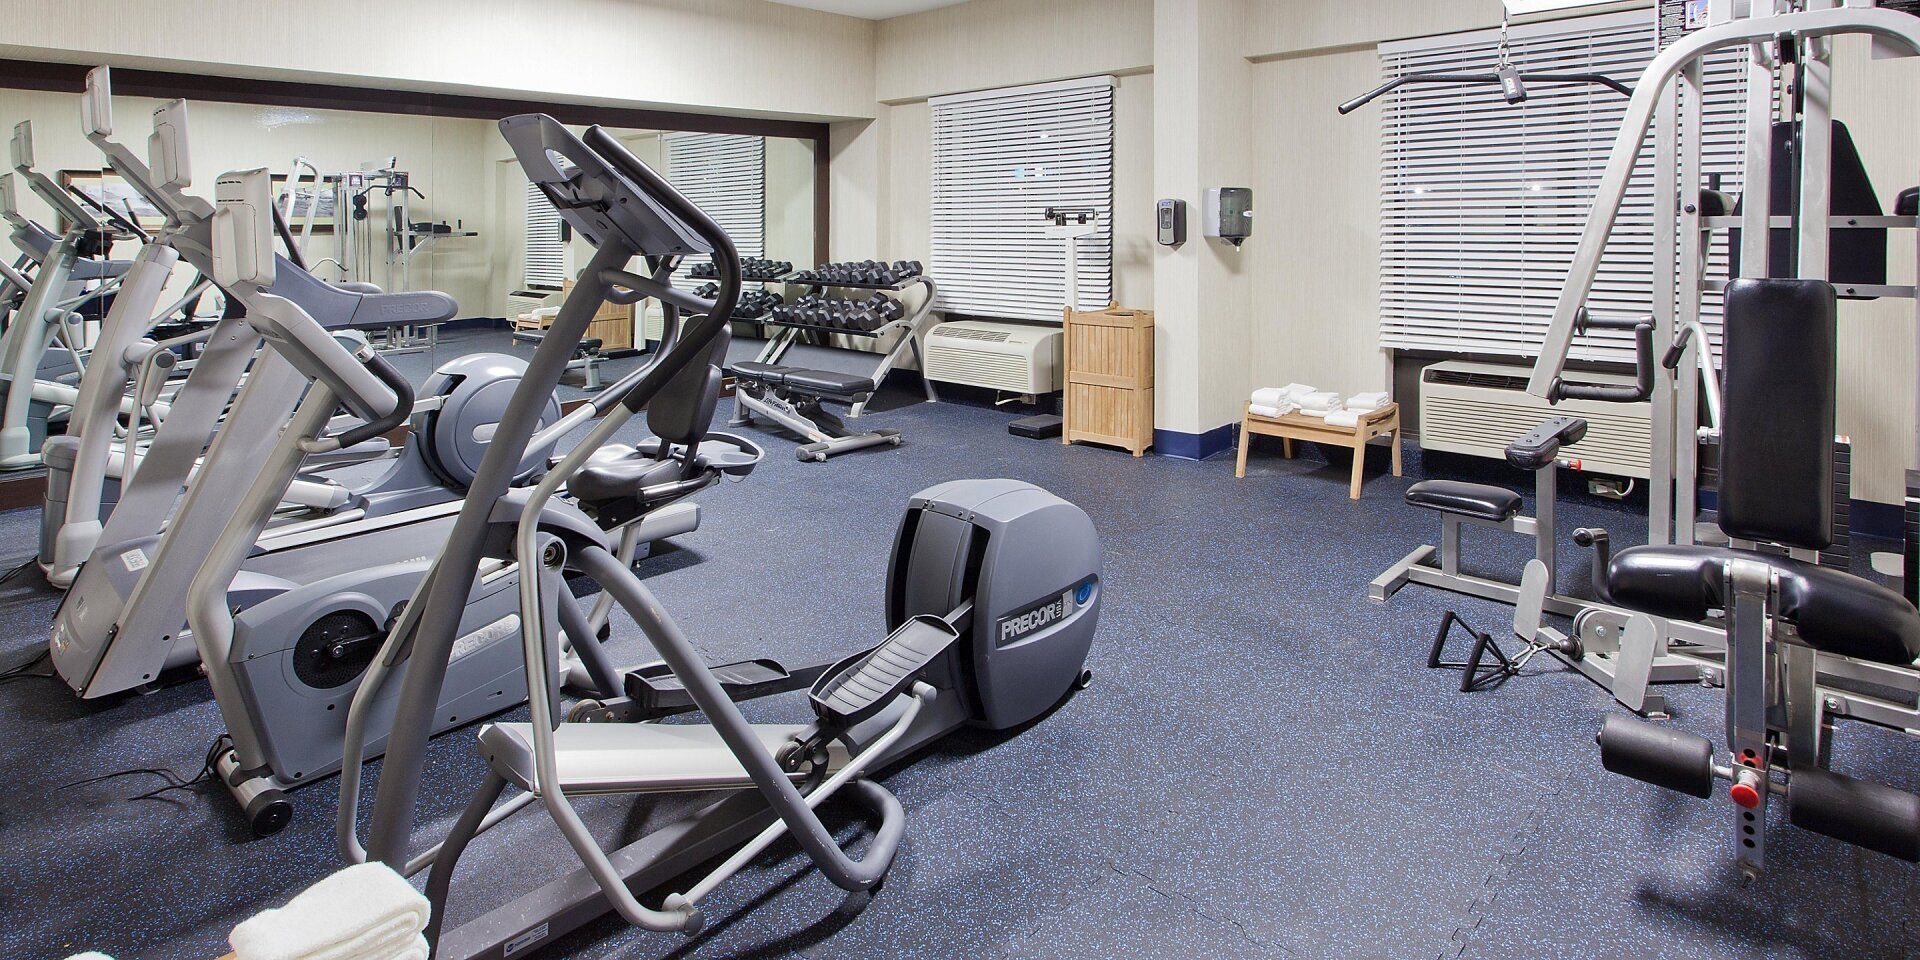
x=1003, y=43
x=1316, y=246
x=731, y=56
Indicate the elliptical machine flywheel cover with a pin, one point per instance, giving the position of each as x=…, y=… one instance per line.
x=476, y=389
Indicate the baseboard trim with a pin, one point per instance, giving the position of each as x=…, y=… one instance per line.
x=1195, y=446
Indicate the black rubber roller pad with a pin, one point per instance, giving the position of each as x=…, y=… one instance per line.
x=1860, y=812
x=1662, y=756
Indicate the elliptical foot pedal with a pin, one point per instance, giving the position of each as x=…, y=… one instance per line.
x=656, y=691
x=859, y=686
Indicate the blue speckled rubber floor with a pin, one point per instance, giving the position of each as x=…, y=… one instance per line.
x=1262, y=767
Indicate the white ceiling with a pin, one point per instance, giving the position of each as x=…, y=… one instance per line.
x=871, y=9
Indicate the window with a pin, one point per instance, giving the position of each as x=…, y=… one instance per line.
x=546, y=250
x=726, y=177
x=1483, y=202
x=1001, y=158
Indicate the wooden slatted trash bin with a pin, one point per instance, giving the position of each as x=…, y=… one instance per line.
x=1109, y=378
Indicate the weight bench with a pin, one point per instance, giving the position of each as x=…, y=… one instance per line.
x=791, y=397
x=1622, y=653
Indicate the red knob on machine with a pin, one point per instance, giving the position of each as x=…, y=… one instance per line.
x=1745, y=794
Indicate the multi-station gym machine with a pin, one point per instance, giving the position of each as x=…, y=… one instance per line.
x=1799, y=645
x=1793, y=157
x=367, y=248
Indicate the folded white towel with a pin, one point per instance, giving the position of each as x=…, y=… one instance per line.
x=366, y=910
x=1295, y=391
x=415, y=949
x=1343, y=418
x=1321, y=401
x=1367, y=401
x=1270, y=396
x=1271, y=412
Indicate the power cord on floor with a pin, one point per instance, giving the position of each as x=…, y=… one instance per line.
x=26, y=671
x=15, y=571
x=174, y=781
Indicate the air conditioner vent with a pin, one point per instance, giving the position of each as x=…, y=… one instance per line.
x=1479, y=408
x=954, y=331
x=1468, y=378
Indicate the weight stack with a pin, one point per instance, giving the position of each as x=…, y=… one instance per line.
x=1839, y=556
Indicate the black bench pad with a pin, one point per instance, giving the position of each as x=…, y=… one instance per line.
x=814, y=383
x=826, y=383
x=1477, y=500
x=1833, y=611
x=771, y=374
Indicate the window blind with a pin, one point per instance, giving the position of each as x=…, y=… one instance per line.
x=725, y=175
x=1000, y=158
x=1483, y=202
x=545, y=263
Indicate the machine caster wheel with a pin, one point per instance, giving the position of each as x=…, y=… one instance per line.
x=269, y=813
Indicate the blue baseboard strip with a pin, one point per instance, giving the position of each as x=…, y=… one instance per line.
x=1195, y=446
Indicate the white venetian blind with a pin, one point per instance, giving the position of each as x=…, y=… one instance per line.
x=545, y=263
x=1001, y=158
x=1483, y=202
x=726, y=177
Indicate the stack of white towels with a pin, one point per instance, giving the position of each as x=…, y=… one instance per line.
x=1312, y=401
x=365, y=912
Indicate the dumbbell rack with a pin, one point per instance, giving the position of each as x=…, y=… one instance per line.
x=759, y=319
x=912, y=324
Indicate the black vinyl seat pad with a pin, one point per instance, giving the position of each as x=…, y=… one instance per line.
x=1834, y=612
x=813, y=383
x=1479, y=501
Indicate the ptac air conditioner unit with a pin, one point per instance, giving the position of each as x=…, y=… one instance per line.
x=1012, y=357
x=1479, y=408
x=527, y=301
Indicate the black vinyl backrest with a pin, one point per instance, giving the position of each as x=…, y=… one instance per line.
x=1776, y=429
x=683, y=409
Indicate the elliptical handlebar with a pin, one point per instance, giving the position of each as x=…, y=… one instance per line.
x=625, y=210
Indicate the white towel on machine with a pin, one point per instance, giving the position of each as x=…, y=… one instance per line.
x=1344, y=418
x=365, y=912
x=1367, y=402
x=1270, y=396
x=1271, y=412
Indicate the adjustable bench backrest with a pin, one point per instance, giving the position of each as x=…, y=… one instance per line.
x=1776, y=432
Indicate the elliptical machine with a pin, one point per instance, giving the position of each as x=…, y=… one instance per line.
x=993, y=597
x=285, y=659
